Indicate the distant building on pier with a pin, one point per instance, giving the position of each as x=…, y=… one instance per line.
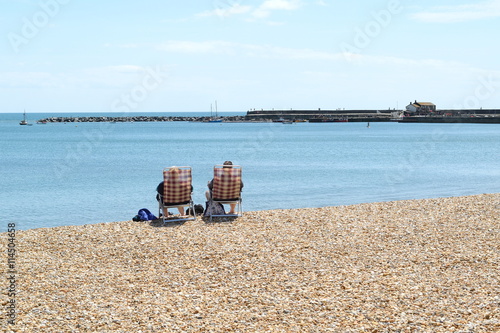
x=421, y=108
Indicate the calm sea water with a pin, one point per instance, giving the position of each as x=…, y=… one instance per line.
x=73, y=174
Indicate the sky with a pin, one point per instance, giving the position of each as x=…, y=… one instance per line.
x=182, y=56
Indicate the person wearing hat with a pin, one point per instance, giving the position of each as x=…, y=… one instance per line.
x=208, y=194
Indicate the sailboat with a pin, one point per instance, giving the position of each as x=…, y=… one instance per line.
x=24, y=121
x=215, y=119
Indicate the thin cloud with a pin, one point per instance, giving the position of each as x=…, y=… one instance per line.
x=28, y=79
x=120, y=76
x=272, y=52
x=123, y=46
x=205, y=47
x=249, y=50
x=461, y=13
x=225, y=11
x=262, y=11
x=125, y=68
x=268, y=6
x=436, y=65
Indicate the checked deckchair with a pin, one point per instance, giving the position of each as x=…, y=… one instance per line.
x=177, y=190
x=227, y=186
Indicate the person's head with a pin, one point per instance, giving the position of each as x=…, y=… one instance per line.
x=228, y=164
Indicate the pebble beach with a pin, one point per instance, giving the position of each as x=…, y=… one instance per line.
x=428, y=265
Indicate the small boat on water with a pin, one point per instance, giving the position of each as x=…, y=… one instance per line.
x=215, y=119
x=283, y=121
x=24, y=121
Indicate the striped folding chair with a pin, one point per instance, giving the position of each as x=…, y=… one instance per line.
x=177, y=188
x=227, y=187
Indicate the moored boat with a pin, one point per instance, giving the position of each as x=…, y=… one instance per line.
x=215, y=119
x=24, y=121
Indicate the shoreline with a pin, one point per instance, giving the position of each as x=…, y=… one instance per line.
x=428, y=265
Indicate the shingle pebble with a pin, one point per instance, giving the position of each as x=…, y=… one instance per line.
x=405, y=266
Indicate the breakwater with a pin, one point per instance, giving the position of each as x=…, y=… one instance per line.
x=486, y=116
x=450, y=119
x=251, y=116
x=320, y=115
x=479, y=116
x=98, y=119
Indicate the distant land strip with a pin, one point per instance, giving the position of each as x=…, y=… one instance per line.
x=491, y=116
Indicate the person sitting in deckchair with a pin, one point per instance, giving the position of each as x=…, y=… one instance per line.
x=227, y=167
x=172, y=181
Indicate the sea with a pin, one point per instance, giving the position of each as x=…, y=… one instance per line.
x=60, y=174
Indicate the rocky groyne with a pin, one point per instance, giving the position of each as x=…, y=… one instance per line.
x=98, y=119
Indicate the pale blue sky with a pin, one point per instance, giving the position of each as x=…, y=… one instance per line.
x=170, y=56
